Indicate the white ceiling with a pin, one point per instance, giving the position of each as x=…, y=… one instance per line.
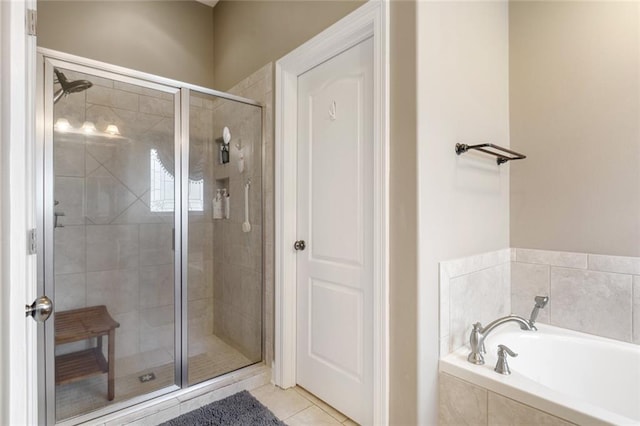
x=208, y=2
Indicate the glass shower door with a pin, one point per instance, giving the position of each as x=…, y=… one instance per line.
x=224, y=256
x=110, y=268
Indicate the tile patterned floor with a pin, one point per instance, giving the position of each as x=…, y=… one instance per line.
x=296, y=407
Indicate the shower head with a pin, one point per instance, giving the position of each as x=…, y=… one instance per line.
x=67, y=87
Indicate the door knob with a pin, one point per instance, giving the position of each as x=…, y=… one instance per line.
x=40, y=309
x=299, y=245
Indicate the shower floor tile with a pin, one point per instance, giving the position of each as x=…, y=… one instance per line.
x=210, y=357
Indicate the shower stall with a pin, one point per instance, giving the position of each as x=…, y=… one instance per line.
x=152, y=244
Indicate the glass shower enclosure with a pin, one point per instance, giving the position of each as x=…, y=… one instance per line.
x=151, y=212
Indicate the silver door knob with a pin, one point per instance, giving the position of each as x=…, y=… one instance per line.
x=40, y=309
x=299, y=245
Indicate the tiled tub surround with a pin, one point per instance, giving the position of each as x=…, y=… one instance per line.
x=463, y=403
x=579, y=377
x=594, y=294
x=591, y=293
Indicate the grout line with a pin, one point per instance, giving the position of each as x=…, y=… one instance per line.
x=297, y=412
x=320, y=407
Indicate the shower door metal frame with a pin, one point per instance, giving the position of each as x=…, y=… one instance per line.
x=46, y=61
x=47, y=202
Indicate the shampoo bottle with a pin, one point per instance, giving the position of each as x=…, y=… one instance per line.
x=226, y=201
x=218, y=210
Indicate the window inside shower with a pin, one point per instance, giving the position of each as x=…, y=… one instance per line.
x=153, y=290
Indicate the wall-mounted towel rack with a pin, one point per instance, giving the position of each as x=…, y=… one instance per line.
x=502, y=158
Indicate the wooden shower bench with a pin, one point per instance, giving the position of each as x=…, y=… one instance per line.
x=82, y=324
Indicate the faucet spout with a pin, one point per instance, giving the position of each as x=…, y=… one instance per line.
x=479, y=334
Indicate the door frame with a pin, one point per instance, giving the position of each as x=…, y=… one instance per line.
x=370, y=20
x=18, y=279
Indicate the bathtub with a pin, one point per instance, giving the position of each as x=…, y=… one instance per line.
x=579, y=377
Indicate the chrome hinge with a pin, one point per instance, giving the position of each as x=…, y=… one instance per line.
x=33, y=242
x=32, y=21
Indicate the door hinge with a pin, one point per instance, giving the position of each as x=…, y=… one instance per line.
x=32, y=21
x=33, y=242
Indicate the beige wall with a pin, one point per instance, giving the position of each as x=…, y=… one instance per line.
x=403, y=221
x=575, y=109
x=250, y=34
x=168, y=38
x=463, y=74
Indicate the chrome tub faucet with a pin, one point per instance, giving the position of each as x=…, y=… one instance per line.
x=480, y=333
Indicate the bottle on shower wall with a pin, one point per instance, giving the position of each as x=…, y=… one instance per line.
x=218, y=209
x=224, y=154
x=226, y=201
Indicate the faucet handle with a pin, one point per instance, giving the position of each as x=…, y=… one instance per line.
x=502, y=367
x=502, y=349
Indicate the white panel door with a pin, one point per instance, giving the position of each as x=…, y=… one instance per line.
x=335, y=219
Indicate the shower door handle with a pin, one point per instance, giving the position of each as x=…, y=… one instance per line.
x=40, y=310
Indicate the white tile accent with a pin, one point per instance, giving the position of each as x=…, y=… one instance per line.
x=527, y=281
x=619, y=264
x=71, y=292
x=69, y=193
x=592, y=302
x=111, y=247
x=69, y=155
x=69, y=248
x=482, y=296
x=554, y=258
x=474, y=288
x=117, y=289
x=636, y=309
x=468, y=265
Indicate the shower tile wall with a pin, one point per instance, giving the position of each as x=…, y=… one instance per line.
x=112, y=249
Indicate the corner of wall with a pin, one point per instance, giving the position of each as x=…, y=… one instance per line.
x=404, y=400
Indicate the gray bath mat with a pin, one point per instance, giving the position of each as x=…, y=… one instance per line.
x=239, y=409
